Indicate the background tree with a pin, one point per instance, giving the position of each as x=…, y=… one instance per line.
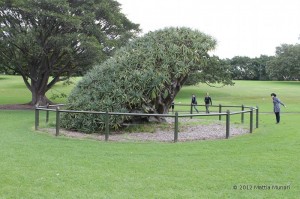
x=246, y=68
x=142, y=77
x=286, y=64
x=51, y=40
x=241, y=68
x=259, y=65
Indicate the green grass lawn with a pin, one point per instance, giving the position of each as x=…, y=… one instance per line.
x=39, y=165
x=251, y=93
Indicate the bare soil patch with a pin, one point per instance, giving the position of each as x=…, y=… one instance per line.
x=16, y=107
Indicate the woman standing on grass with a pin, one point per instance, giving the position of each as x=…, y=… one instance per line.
x=276, y=103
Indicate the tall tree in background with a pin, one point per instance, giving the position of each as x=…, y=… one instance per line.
x=286, y=64
x=48, y=41
x=259, y=65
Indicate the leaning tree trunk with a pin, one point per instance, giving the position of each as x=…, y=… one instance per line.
x=163, y=103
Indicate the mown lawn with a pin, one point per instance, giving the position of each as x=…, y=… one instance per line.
x=39, y=165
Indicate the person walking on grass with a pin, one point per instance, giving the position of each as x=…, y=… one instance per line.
x=194, y=103
x=276, y=103
x=208, y=102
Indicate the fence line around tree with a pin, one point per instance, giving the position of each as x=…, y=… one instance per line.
x=227, y=114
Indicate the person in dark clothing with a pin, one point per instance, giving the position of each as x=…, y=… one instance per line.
x=276, y=103
x=208, y=102
x=194, y=103
x=172, y=106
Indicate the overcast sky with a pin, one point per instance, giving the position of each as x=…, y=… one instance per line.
x=241, y=27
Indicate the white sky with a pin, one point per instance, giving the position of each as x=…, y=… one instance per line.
x=241, y=27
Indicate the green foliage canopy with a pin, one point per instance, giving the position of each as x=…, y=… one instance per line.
x=58, y=38
x=143, y=77
x=216, y=70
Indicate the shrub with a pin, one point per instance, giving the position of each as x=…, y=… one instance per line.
x=142, y=77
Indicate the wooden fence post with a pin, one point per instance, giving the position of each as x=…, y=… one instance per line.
x=220, y=111
x=257, y=117
x=37, y=117
x=106, y=126
x=242, y=115
x=47, y=113
x=57, y=121
x=191, y=112
x=251, y=119
x=176, y=127
x=227, y=124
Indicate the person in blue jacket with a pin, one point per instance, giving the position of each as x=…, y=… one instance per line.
x=276, y=103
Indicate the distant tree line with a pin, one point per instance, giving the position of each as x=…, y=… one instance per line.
x=285, y=65
x=246, y=68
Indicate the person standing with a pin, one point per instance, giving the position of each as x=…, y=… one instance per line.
x=276, y=103
x=208, y=102
x=172, y=106
x=194, y=103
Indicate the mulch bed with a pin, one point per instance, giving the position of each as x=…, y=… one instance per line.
x=187, y=133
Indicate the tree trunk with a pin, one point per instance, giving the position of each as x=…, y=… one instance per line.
x=164, y=108
x=163, y=104
x=39, y=98
x=38, y=91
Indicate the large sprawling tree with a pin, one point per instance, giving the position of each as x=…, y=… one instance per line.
x=143, y=77
x=46, y=41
